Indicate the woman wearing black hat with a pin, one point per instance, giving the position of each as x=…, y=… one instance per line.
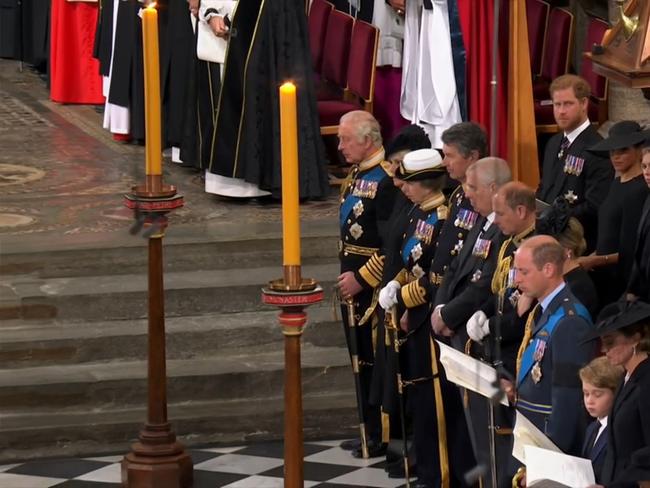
x=624, y=329
x=620, y=212
x=556, y=221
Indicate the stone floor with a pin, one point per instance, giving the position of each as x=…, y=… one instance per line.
x=257, y=465
x=61, y=174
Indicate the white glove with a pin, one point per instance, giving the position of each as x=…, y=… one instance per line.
x=388, y=295
x=478, y=326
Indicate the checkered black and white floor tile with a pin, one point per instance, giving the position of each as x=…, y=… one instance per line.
x=252, y=466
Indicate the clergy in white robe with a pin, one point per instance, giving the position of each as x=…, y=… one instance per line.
x=428, y=95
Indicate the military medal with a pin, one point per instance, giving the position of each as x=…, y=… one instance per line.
x=358, y=209
x=465, y=219
x=417, y=271
x=481, y=248
x=573, y=165
x=416, y=252
x=423, y=232
x=536, y=373
x=365, y=189
x=476, y=276
x=457, y=247
x=538, y=355
x=514, y=297
x=571, y=197
x=356, y=230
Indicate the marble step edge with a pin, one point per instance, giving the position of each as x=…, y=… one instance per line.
x=94, y=373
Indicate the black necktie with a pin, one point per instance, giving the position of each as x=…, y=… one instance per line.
x=427, y=5
x=564, y=145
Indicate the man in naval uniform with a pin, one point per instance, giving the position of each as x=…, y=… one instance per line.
x=496, y=330
x=466, y=284
x=569, y=170
x=367, y=199
x=548, y=390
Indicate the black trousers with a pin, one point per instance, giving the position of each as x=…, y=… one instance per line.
x=365, y=353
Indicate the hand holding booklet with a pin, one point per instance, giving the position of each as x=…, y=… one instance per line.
x=549, y=469
x=470, y=373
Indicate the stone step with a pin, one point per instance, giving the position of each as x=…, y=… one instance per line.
x=29, y=435
x=119, y=297
x=186, y=248
x=91, y=386
x=40, y=343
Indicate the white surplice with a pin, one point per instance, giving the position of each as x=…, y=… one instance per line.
x=428, y=95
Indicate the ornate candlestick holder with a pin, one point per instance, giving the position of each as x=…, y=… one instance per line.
x=157, y=460
x=292, y=294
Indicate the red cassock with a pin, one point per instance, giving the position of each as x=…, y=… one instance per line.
x=74, y=73
x=477, y=24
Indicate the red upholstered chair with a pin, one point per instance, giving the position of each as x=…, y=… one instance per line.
x=598, y=111
x=333, y=77
x=360, y=90
x=319, y=14
x=557, y=46
x=537, y=20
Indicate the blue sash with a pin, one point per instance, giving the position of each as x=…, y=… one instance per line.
x=377, y=174
x=413, y=240
x=528, y=358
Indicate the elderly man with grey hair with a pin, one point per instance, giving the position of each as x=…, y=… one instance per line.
x=466, y=283
x=367, y=200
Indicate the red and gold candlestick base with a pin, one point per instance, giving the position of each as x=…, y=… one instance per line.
x=157, y=460
x=292, y=294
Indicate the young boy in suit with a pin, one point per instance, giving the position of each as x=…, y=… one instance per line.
x=599, y=382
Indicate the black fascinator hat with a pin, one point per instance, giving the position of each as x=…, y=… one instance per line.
x=554, y=218
x=410, y=138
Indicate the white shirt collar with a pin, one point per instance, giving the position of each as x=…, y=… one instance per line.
x=573, y=135
x=603, y=422
x=548, y=298
x=489, y=220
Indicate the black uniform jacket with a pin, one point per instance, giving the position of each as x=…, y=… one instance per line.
x=581, y=176
x=629, y=426
x=639, y=283
x=466, y=285
x=548, y=387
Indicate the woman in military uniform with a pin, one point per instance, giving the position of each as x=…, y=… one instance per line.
x=408, y=297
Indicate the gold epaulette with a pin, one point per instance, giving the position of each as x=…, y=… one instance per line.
x=413, y=294
x=371, y=271
x=386, y=165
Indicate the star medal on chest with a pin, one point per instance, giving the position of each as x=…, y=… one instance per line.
x=573, y=165
x=538, y=355
x=571, y=197
x=358, y=209
x=423, y=232
x=356, y=230
x=481, y=248
x=417, y=271
x=416, y=252
x=365, y=189
x=465, y=219
x=457, y=247
x=476, y=275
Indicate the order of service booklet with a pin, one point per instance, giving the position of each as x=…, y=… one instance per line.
x=550, y=469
